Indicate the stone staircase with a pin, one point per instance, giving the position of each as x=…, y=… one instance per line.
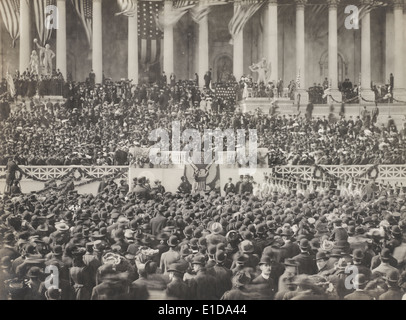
x=397, y=111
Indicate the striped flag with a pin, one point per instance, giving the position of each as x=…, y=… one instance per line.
x=201, y=10
x=178, y=10
x=128, y=7
x=149, y=35
x=10, y=14
x=84, y=9
x=11, y=87
x=44, y=33
x=241, y=16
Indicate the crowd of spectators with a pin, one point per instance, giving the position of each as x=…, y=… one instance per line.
x=289, y=244
x=105, y=125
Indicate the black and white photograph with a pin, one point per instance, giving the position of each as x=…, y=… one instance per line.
x=218, y=152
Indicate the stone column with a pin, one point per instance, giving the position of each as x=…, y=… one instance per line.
x=238, y=50
x=300, y=51
x=61, y=38
x=203, y=52
x=399, y=91
x=168, y=64
x=133, y=48
x=333, y=51
x=25, y=36
x=97, y=36
x=389, y=55
x=271, y=35
x=366, y=91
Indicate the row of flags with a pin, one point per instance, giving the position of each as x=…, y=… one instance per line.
x=152, y=18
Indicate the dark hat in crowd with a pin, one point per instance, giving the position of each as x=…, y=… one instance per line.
x=385, y=254
x=321, y=255
x=34, y=272
x=392, y=276
x=358, y=254
x=176, y=267
x=199, y=260
x=173, y=241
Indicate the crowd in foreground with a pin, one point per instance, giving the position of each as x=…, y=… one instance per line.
x=145, y=243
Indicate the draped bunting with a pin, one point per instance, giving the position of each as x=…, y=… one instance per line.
x=10, y=14
x=242, y=15
x=84, y=9
x=44, y=33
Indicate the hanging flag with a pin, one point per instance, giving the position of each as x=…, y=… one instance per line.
x=201, y=10
x=10, y=82
x=10, y=14
x=84, y=9
x=149, y=35
x=178, y=10
x=44, y=33
x=128, y=7
x=241, y=16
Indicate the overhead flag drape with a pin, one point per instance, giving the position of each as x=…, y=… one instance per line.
x=179, y=9
x=201, y=10
x=44, y=34
x=10, y=14
x=84, y=9
x=244, y=12
x=128, y=7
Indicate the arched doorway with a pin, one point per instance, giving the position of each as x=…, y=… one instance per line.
x=223, y=68
x=342, y=67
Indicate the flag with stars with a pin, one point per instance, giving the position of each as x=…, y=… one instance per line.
x=149, y=35
x=84, y=10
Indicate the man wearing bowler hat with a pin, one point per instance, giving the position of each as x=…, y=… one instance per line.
x=203, y=285
x=360, y=283
x=306, y=261
x=171, y=256
x=384, y=267
x=264, y=284
x=394, y=291
x=177, y=288
x=222, y=274
x=286, y=279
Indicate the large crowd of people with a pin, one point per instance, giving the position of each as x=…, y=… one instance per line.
x=103, y=124
x=276, y=239
x=145, y=243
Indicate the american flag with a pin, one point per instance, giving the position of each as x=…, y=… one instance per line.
x=84, y=9
x=44, y=33
x=10, y=14
x=149, y=35
x=177, y=4
x=242, y=15
x=201, y=10
x=178, y=10
x=128, y=7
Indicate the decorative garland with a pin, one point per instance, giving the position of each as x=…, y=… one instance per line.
x=372, y=172
x=60, y=188
x=323, y=172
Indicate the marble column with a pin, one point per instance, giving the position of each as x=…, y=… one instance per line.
x=25, y=36
x=97, y=36
x=61, y=38
x=133, y=48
